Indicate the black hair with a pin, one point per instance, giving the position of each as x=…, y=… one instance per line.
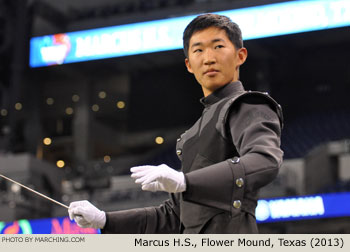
x=204, y=21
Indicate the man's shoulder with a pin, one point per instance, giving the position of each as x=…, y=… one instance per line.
x=252, y=97
x=257, y=98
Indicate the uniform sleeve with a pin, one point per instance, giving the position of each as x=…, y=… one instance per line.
x=255, y=130
x=149, y=220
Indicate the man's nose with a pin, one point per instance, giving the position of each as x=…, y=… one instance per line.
x=209, y=57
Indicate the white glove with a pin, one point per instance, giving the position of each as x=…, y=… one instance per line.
x=86, y=215
x=159, y=178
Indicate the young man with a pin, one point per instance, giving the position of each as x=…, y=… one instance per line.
x=227, y=155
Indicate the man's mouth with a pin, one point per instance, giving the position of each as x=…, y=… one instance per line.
x=211, y=72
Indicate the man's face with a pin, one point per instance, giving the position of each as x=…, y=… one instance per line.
x=213, y=59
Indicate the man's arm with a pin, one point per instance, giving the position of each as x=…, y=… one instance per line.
x=160, y=219
x=255, y=130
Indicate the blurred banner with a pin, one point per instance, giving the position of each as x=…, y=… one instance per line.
x=62, y=225
x=329, y=205
x=162, y=35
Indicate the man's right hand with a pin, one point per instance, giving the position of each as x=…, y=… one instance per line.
x=86, y=215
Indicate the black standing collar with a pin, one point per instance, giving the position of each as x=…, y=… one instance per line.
x=222, y=92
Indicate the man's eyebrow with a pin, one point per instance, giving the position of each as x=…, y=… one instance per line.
x=196, y=44
x=213, y=41
x=217, y=40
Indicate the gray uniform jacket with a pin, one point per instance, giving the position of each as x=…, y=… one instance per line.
x=227, y=156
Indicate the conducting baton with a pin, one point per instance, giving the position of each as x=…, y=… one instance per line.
x=30, y=189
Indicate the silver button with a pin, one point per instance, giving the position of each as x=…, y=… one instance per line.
x=179, y=152
x=235, y=160
x=237, y=204
x=179, y=139
x=239, y=182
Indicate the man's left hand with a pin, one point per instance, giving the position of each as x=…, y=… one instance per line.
x=159, y=178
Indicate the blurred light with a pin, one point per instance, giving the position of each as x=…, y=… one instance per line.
x=47, y=141
x=95, y=108
x=6, y=129
x=15, y=188
x=69, y=111
x=50, y=101
x=121, y=104
x=75, y=98
x=18, y=106
x=3, y=112
x=159, y=140
x=60, y=163
x=107, y=159
x=65, y=198
x=102, y=94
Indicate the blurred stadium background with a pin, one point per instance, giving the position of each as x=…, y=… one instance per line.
x=72, y=131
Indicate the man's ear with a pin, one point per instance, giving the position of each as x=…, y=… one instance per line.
x=188, y=65
x=242, y=55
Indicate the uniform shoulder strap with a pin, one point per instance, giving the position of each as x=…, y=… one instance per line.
x=251, y=96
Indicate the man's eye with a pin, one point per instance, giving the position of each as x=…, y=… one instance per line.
x=197, y=50
x=219, y=46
